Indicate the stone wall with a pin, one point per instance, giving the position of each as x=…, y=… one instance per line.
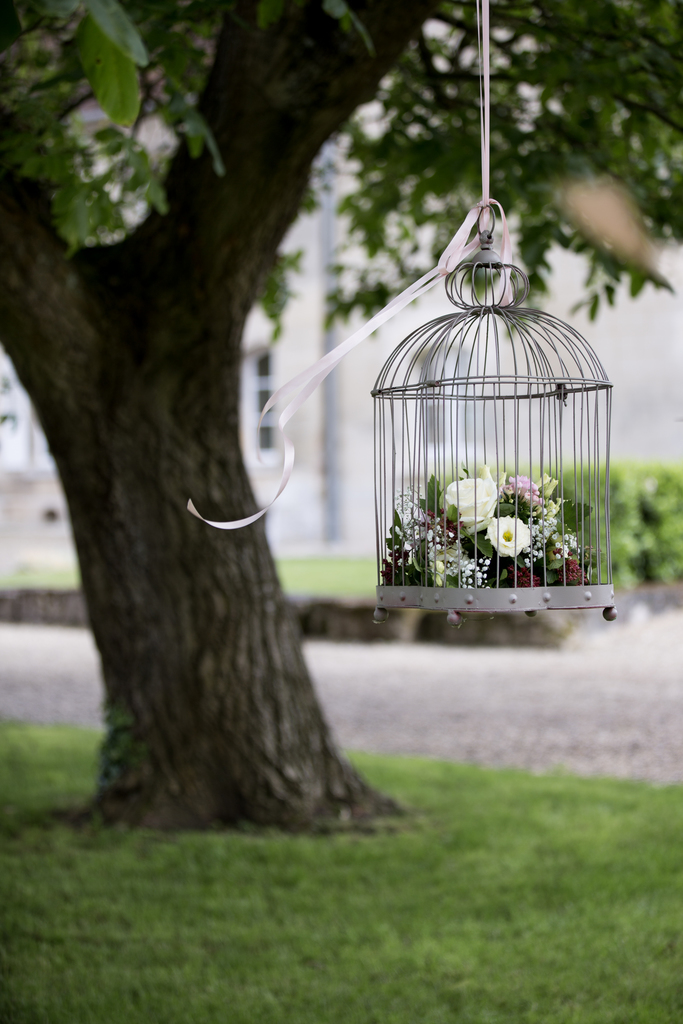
x=351, y=620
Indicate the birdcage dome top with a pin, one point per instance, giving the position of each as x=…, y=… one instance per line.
x=492, y=339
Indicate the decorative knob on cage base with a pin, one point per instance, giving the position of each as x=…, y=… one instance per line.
x=609, y=614
x=380, y=615
x=454, y=619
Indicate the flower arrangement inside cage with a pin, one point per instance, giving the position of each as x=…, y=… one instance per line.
x=492, y=457
x=480, y=532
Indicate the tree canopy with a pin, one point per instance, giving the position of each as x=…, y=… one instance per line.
x=579, y=90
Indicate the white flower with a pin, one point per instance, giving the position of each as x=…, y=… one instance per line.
x=474, y=499
x=509, y=535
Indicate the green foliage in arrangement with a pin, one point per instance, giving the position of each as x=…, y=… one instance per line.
x=647, y=538
x=487, y=532
x=499, y=898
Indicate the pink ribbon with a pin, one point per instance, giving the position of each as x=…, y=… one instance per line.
x=306, y=382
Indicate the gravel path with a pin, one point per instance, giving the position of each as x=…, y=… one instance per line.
x=609, y=704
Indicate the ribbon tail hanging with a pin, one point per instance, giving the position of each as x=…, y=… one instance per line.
x=305, y=383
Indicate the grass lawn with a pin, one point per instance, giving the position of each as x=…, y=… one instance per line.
x=314, y=577
x=48, y=579
x=503, y=897
x=328, y=577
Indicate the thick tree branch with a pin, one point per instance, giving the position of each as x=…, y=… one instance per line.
x=648, y=108
x=43, y=296
x=272, y=99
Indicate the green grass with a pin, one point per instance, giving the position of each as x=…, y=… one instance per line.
x=314, y=577
x=49, y=579
x=328, y=577
x=503, y=897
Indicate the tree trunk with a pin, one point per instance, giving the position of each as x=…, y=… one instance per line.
x=131, y=355
x=201, y=652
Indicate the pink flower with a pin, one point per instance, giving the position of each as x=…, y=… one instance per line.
x=524, y=488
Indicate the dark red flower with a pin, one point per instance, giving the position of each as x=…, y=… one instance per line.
x=524, y=578
x=392, y=567
x=572, y=571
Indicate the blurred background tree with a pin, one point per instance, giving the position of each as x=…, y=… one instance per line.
x=154, y=156
x=588, y=93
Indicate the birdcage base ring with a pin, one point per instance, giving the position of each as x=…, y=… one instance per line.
x=496, y=601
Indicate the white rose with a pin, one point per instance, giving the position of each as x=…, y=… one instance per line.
x=474, y=499
x=508, y=535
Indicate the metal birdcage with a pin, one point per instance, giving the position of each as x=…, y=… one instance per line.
x=492, y=435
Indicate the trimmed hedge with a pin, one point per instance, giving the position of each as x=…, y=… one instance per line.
x=646, y=500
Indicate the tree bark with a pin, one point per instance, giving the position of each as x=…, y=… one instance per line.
x=131, y=355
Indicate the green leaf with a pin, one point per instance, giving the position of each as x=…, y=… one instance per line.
x=346, y=17
x=503, y=575
x=573, y=514
x=434, y=495
x=484, y=546
x=638, y=281
x=467, y=544
x=506, y=508
x=56, y=8
x=277, y=293
x=363, y=33
x=550, y=576
x=156, y=196
x=395, y=538
x=119, y=29
x=195, y=144
x=10, y=26
x=452, y=513
x=110, y=72
x=198, y=133
x=70, y=211
x=269, y=12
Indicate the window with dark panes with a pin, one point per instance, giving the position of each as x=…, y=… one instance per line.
x=264, y=389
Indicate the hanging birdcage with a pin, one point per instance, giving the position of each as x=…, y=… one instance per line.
x=492, y=433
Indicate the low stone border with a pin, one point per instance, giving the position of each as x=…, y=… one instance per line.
x=45, y=607
x=351, y=619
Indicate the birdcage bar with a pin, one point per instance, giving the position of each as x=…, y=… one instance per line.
x=492, y=392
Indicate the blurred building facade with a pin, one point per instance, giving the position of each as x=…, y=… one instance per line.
x=328, y=506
